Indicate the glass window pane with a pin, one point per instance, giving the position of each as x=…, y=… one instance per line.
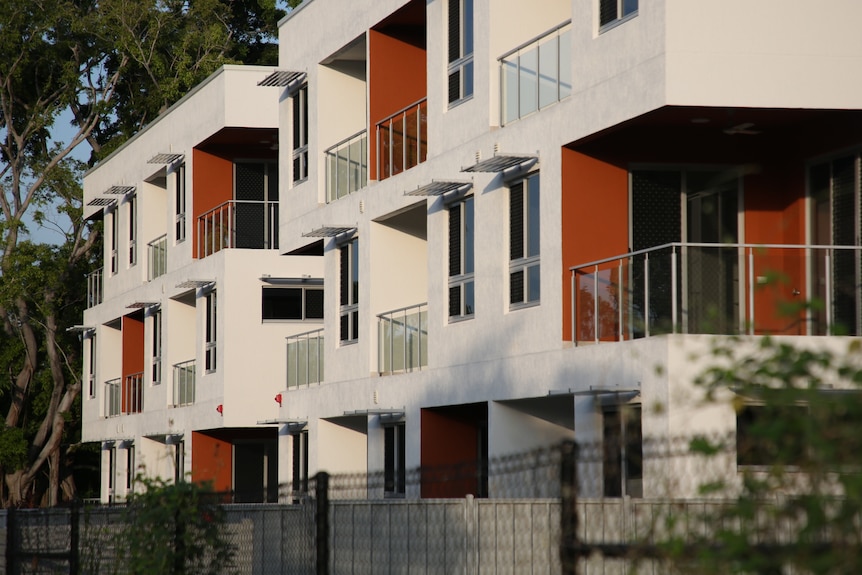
x=282, y=303
x=528, y=89
x=565, y=64
x=533, y=283
x=516, y=287
x=314, y=304
x=533, y=225
x=510, y=90
x=469, y=298
x=468, y=79
x=468, y=26
x=548, y=72
x=468, y=236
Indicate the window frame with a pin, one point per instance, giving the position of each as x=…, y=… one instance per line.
x=394, y=458
x=92, y=367
x=299, y=134
x=156, y=352
x=622, y=10
x=526, y=260
x=132, y=210
x=461, y=279
x=299, y=462
x=180, y=204
x=460, y=64
x=211, y=329
x=130, y=467
x=304, y=305
x=349, y=292
x=619, y=451
x=115, y=233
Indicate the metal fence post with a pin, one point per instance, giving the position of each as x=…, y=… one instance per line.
x=568, y=508
x=75, y=538
x=321, y=489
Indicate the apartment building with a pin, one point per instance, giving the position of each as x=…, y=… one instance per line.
x=186, y=322
x=535, y=217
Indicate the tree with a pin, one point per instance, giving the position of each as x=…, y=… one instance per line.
x=798, y=501
x=114, y=65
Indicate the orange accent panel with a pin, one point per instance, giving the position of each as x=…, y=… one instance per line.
x=397, y=79
x=133, y=345
x=212, y=462
x=212, y=185
x=448, y=445
x=775, y=214
x=595, y=212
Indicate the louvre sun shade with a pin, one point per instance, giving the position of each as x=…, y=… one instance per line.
x=329, y=231
x=502, y=162
x=281, y=78
x=101, y=202
x=166, y=158
x=438, y=188
x=119, y=190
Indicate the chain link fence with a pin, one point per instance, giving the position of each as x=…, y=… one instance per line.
x=684, y=505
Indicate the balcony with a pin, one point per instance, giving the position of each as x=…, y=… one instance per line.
x=305, y=359
x=696, y=288
x=536, y=74
x=402, y=140
x=347, y=166
x=94, y=288
x=157, y=257
x=238, y=224
x=403, y=339
x=113, y=397
x=133, y=393
x=184, y=383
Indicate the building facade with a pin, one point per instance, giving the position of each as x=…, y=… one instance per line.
x=531, y=222
x=185, y=329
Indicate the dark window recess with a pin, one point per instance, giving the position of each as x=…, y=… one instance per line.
x=516, y=221
x=623, y=451
x=292, y=303
x=771, y=435
x=395, y=473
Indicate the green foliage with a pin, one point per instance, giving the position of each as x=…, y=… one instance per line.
x=13, y=448
x=175, y=529
x=798, y=500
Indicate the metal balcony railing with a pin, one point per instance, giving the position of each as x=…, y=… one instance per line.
x=157, y=257
x=184, y=383
x=238, y=224
x=719, y=288
x=94, y=288
x=402, y=140
x=305, y=359
x=113, y=397
x=347, y=166
x=133, y=393
x=403, y=339
x=536, y=74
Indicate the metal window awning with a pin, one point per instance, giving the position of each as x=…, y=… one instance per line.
x=502, y=163
x=438, y=188
x=165, y=158
x=80, y=328
x=305, y=280
x=102, y=202
x=143, y=304
x=189, y=284
x=329, y=231
x=604, y=395
x=282, y=78
x=390, y=412
x=119, y=190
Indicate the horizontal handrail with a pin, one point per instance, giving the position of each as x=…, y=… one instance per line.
x=401, y=111
x=535, y=39
x=400, y=309
x=709, y=245
x=345, y=140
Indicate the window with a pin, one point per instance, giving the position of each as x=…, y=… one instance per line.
x=622, y=442
x=611, y=11
x=180, y=203
x=461, y=264
x=112, y=470
x=92, y=371
x=300, y=462
x=133, y=230
x=524, y=277
x=115, y=233
x=157, y=347
x=179, y=461
x=771, y=434
x=460, y=50
x=349, y=310
x=130, y=467
x=394, y=475
x=296, y=303
x=211, y=326
x=300, y=134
